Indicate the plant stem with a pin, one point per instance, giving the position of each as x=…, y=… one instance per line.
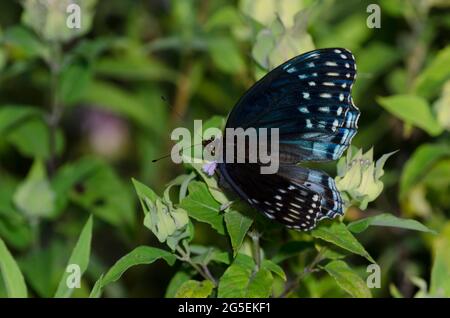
x=203, y=270
x=255, y=235
x=308, y=269
x=55, y=110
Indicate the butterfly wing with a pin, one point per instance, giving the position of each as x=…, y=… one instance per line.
x=309, y=99
x=296, y=197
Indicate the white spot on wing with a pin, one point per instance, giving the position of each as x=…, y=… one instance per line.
x=325, y=95
x=296, y=205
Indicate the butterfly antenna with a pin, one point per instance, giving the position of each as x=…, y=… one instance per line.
x=181, y=150
x=176, y=113
x=171, y=107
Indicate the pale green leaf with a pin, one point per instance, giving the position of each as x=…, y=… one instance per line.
x=201, y=206
x=420, y=162
x=195, y=289
x=347, y=279
x=435, y=74
x=241, y=280
x=440, y=273
x=413, y=110
x=237, y=225
x=34, y=196
x=388, y=220
x=338, y=234
x=177, y=280
x=12, y=276
x=80, y=257
x=140, y=255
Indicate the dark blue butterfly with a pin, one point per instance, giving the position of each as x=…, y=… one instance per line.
x=309, y=99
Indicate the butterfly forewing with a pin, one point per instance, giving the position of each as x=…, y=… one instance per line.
x=309, y=99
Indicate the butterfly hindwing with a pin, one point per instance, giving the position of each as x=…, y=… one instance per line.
x=296, y=197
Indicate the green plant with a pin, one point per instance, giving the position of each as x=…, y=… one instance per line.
x=81, y=114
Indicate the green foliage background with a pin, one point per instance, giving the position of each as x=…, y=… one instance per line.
x=81, y=114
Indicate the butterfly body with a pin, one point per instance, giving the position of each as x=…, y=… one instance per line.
x=308, y=100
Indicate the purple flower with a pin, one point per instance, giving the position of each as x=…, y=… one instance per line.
x=209, y=168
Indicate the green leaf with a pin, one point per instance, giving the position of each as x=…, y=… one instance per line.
x=195, y=289
x=177, y=280
x=34, y=196
x=347, y=279
x=420, y=162
x=23, y=43
x=75, y=79
x=440, y=284
x=385, y=55
x=388, y=220
x=31, y=139
x=441, y=107
x=134, y=67
x=435, y=74
x=140, y=255
x=43, y=267
x=111, y=97
x=274, y=268
x=239, y=282
x=338, y=234
x=413, y=110
x=69, y=176
x=205, y=254
x=291, y=249
x=96, y=291
x=201, y=206
x=13, y=278
x=349, y=34
x=13, y=115
x=226, y=55
x=104, y=194
x=80, y=257
x=237, y=226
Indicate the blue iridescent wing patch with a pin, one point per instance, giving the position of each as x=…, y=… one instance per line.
x=308, y=99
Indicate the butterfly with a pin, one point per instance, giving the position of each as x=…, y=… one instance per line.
x=308, y=98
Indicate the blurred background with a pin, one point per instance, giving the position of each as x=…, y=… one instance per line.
x=91, y=108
